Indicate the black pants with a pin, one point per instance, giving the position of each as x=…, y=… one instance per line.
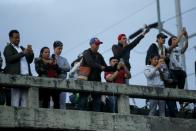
x=180, y=77
x=44, y=97
x=171, y=108
x=5, y=96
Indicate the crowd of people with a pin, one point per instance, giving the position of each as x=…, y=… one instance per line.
x=163, y=70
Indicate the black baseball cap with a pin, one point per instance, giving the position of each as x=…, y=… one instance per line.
x=57, y=44
x=161, y=35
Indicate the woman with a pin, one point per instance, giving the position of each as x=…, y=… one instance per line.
x=47, y=67
x=154, y=79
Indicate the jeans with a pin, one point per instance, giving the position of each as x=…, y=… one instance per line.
x=19, y=97
x=133, y=100
x=83, y=101
x=62, y=100
x=153, y=107
x=112, y=104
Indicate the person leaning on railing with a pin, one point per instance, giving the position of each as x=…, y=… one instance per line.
x=96, y=64
x=175, y=64
x=18, y=60
x=118, y=76
x=154, y=79
x=46, y=66
x=2, y=93
x=64, y=67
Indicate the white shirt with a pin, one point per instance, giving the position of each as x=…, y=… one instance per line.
x=160, y=48
x=23, y=62
x=176, y=59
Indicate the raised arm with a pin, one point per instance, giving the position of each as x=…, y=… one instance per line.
x=179, y=37
x=186, y=43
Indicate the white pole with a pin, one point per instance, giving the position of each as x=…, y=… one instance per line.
x=159, y=16
x=179, y=28
x=195, y=73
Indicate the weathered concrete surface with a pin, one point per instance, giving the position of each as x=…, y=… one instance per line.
x=81, y=120
x=104, y=88
x=123, y=104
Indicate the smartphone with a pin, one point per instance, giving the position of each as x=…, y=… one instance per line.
x=53, y=56
x=184, y=28
x=29, y=46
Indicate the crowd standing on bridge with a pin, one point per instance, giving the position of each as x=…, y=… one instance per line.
x=163, y=69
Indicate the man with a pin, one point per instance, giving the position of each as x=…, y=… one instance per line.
x=123, y=48
x=18, y=61
x=118, y=76
x=64, y=68
x=1, y=62
x=175, y=64
x=157, y=48
x=169, y=82
x=2, y=92
x=95, y=61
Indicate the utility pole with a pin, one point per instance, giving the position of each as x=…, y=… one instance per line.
x=159, y=16
x=179, y=29
x=195, y=73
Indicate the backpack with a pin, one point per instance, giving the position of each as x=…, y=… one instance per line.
x=78, y=71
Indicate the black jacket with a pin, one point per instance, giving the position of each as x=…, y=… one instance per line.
x=12, y=59
x=124, y=53
x=153, y=50
x=42, y=69
x=93, y=60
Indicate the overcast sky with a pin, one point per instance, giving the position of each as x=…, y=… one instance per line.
x=74, y=22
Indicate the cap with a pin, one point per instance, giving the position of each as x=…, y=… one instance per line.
x=120, y=36
x=161, y=35
x=57, y=44
x=95, y=40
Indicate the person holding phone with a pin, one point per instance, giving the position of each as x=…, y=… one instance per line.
x=153, y=75
x=175, y=64
x=46, y=66
x=18, y=60
x=64, y=67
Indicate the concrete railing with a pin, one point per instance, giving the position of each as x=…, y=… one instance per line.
x=35, y=117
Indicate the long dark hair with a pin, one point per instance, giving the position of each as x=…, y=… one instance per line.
x=42, y=50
